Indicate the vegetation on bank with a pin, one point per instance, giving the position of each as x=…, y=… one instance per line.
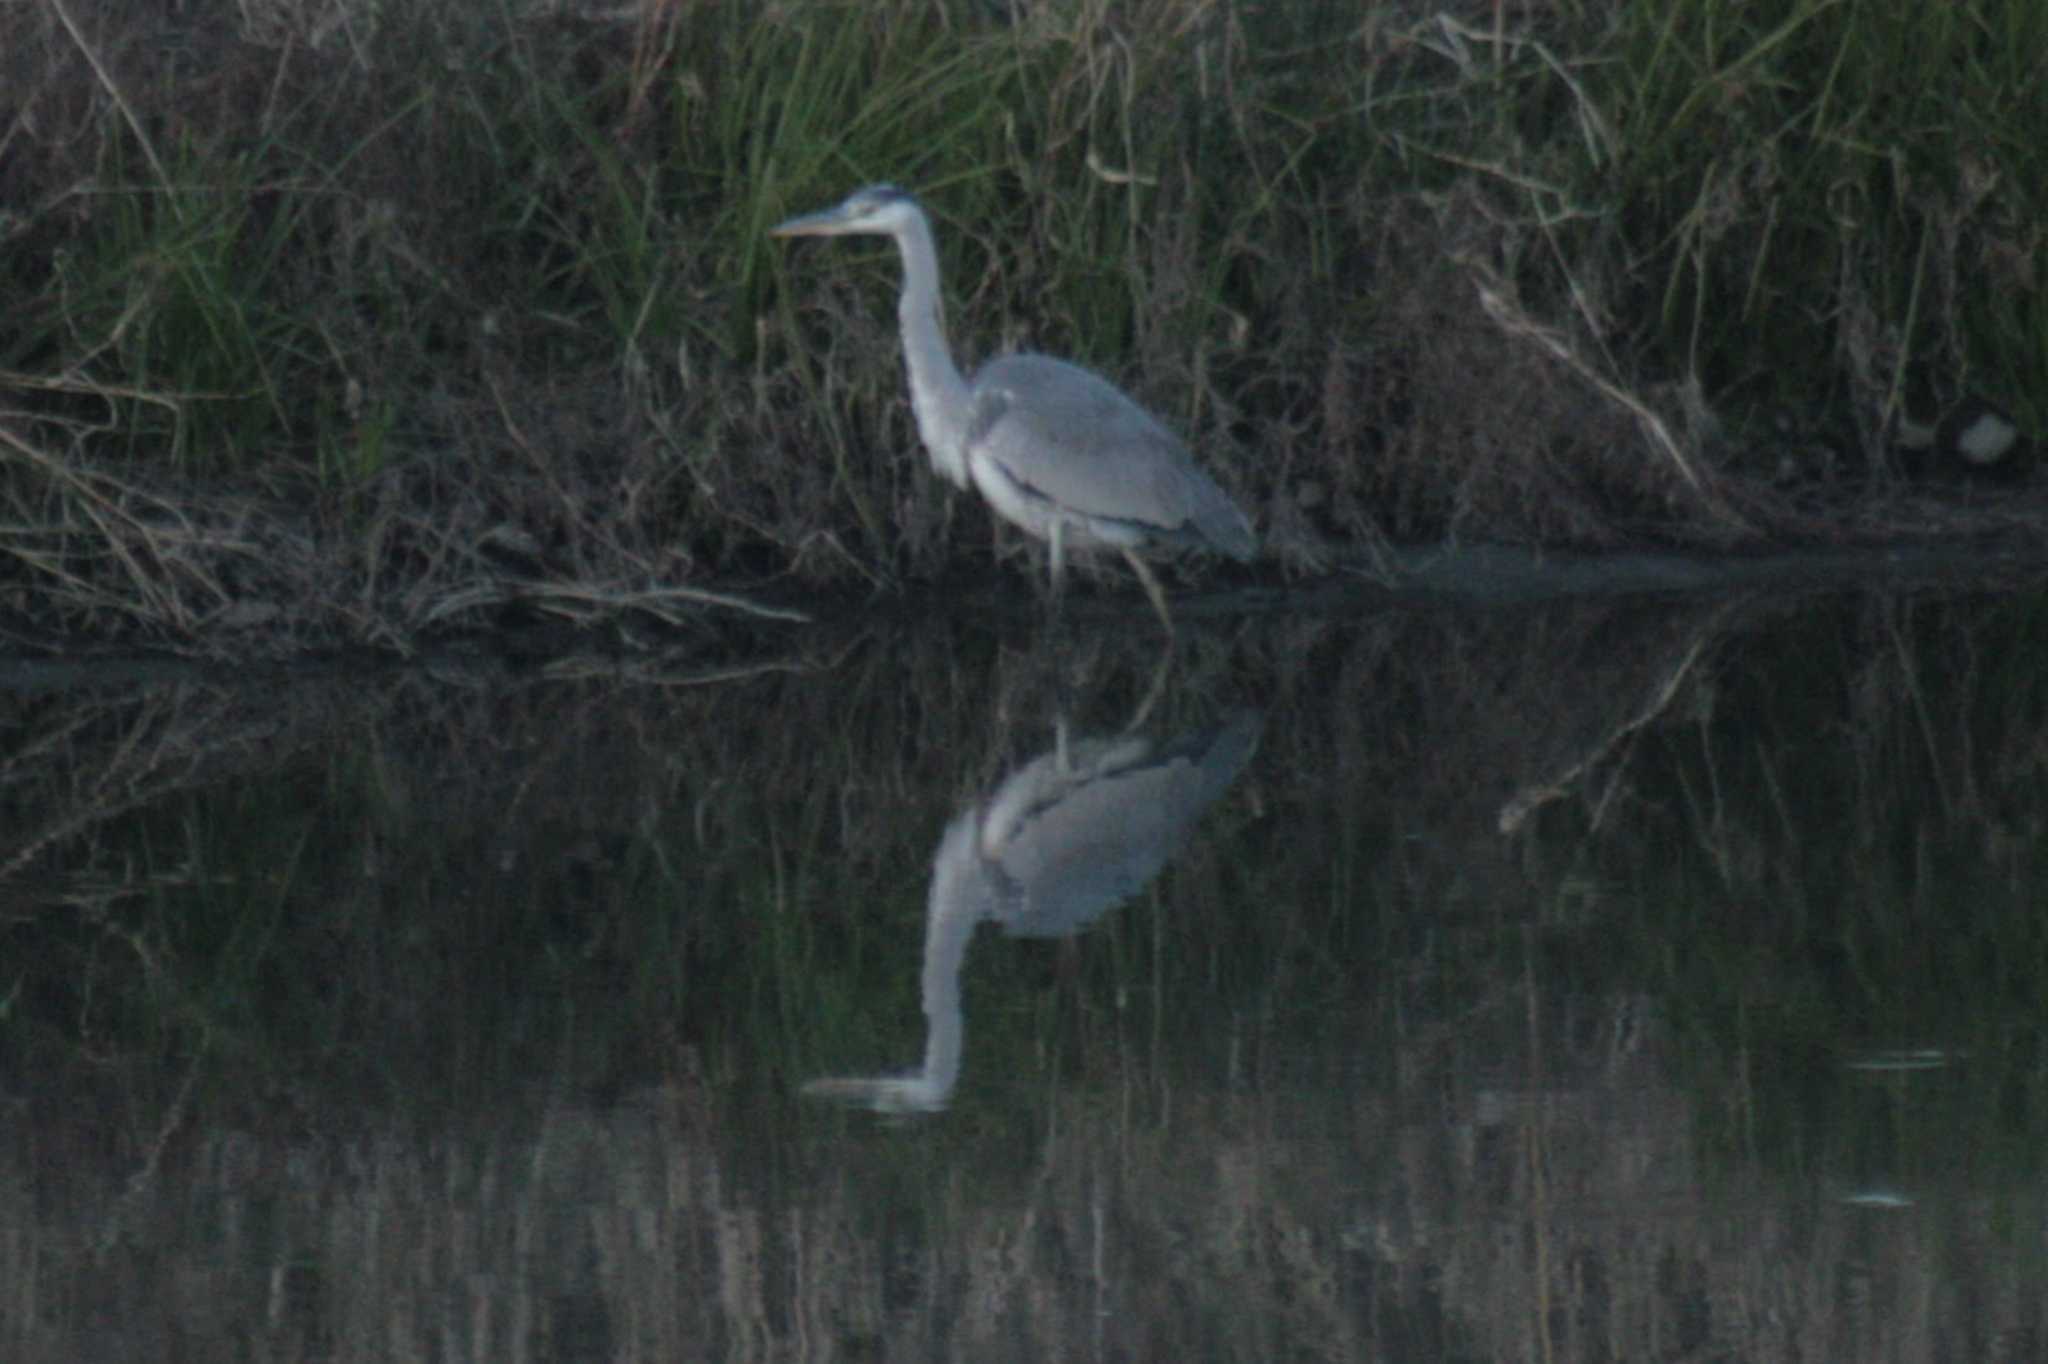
x=369, y=320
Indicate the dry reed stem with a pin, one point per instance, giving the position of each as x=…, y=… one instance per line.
x=149, y=555
x=113, y=89
x=1658, y=698
x=1514, y=321
x=165, y=749
x=587, y=603
x=660, y=673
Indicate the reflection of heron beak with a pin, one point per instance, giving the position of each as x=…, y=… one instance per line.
x=830, y=223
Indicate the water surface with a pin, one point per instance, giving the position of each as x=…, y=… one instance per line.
x=1642, y=978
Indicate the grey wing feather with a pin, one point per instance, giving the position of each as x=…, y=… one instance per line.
x=1067, y=435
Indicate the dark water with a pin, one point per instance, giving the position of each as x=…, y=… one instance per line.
x=1652, y=979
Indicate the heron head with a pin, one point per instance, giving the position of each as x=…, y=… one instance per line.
x=874, y=209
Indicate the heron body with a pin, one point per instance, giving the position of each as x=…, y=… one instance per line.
x=1052, y=447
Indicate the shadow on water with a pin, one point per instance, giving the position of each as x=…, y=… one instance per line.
x=1620, y=978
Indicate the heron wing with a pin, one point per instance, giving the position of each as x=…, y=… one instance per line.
x=1064, y=435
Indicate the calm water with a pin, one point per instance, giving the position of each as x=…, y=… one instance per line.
x=1653, y=979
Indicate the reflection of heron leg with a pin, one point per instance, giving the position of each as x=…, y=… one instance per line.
x=1058, y=541
x=1152, y=590
x=1157, y=689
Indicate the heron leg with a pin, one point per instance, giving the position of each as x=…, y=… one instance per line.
x=1058, y=540
x=1152, y=589
x=1160, y=671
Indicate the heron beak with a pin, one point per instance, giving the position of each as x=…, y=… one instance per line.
x=829, y=222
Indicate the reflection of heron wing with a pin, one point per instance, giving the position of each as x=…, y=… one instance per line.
x=1043, y=783
x=1072, y=844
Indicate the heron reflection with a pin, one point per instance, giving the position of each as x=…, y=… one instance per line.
x=1056, y=845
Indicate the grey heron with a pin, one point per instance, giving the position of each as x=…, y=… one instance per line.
x=1052, y=447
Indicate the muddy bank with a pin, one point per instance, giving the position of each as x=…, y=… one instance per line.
x=726, y=636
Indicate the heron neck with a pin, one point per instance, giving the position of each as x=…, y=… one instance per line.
x=959, y=901
x=945, y=951
x=938, y=395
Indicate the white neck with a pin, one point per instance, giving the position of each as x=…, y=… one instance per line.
x=938, y=395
